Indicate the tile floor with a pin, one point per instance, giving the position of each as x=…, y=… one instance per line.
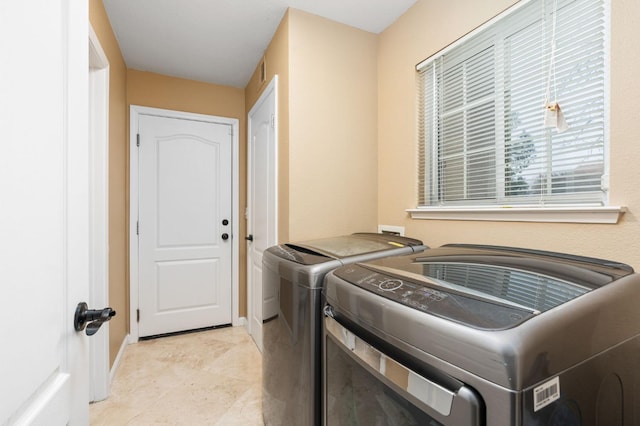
x=209, y=377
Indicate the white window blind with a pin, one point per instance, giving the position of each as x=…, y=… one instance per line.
x=482, y=135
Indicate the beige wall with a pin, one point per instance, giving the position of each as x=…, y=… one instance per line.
x=118, y=187
x=332, y=128
x=428, y=27
x=327, y=126
x=159, y=91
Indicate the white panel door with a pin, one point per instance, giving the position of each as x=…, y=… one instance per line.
x=262, y=208
x=44, y=229
x=184, y=224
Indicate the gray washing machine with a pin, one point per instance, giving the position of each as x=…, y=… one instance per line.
x=467, y=335
x=291, y=388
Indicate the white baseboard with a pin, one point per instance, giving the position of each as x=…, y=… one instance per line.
x=240, y=322
x=116, y=362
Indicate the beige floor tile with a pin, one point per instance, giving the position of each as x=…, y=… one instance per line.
x=206, y=378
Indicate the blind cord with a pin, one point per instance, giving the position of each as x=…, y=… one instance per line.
x=551, y=76
x=553, y=115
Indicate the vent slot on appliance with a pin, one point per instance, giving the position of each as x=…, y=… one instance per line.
x=305, y=250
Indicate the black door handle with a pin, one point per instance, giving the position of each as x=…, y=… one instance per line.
x=249, y=237
x=91, y=318
x=225, y=236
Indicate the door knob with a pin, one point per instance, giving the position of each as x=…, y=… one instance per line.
x=249, y=237
x=91, y=318
x=225, y=236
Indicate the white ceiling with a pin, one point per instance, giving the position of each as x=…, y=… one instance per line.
x=221, y=41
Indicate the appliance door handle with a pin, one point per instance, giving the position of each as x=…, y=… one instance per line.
x=429, y=393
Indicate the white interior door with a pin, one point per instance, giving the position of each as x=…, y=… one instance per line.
x=185, y=209
x=44, y=229
x=262, y=207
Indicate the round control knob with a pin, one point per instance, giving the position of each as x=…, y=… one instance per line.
x=390, y=285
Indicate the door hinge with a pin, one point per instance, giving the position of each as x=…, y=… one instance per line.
x=137, y=315
x=138, y=140
x=137, y=228
x=273, y=121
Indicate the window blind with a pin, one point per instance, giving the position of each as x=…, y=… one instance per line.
x=482, y=134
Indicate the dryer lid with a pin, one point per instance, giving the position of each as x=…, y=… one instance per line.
x=355, y=244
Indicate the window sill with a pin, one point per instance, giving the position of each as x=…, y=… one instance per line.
x=559, y=214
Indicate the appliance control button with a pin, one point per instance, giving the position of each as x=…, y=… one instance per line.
x=390, y=285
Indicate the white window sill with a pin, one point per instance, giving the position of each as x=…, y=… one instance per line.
x=560, y=214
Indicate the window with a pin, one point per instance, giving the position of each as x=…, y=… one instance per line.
x=482, y=134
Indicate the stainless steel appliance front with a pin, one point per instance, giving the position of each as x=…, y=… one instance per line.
x=364, y=383
x=487, y=336
x=292, y=332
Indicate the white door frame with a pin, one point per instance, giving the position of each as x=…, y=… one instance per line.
x=272, y=88
x=135, y=112
x=99, y=378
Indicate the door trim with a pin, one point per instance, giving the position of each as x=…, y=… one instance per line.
x=272, y=87
x=134, y=112
x=99, y=377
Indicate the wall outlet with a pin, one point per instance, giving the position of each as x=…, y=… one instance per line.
x=390, y=229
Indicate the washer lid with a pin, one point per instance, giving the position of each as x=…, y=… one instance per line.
x=484, y=287
x=431, y=296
